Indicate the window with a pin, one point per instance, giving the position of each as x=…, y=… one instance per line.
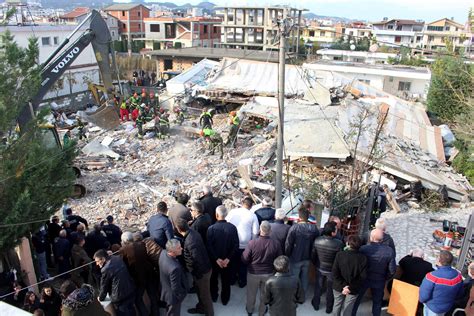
x=418, y=38
x=139, y=26
x=435, y=28
x=399, y=27
x=446, y=28
x=430, y=38
x=124, y=26
x=214, y=29
x=364, y=81
x=390, y=27
x=311, y=33
x=398, y=39
x=113, y=34
x=123, y=13
x=351, y=33
x=168, y=64
x=45, y=41
x=404, y=86
x=205, y=29
x=56, y=40
x=138, y=13
x=322, y=33
x=155, y=28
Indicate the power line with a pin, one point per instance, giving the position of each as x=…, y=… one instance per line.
x=56, y=276
x=25, y=223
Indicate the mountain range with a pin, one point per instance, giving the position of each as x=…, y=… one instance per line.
x=207, y=7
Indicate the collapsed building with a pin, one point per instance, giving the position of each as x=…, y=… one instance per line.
x=333, y=126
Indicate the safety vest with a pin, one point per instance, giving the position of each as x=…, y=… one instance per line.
x=235, y=120
x=208, y=132
x=123, y=105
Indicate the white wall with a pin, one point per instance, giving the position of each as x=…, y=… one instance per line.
x=84, y=66
x=418, y=86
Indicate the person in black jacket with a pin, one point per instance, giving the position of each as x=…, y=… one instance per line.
x=50, y=301
x=222, y=245
x=201, y=221
x=62, y=253
x=172, y=278
x=414, y=267
x=210, y=202
x=74, y=220
x=324, y=252
x=279, y=228
x=117, y=282
x=198, y=264
x=348, y=271
x=299, y=243
x=266, y=212
x=112, y=231
x=381, y=267
x=283, y=291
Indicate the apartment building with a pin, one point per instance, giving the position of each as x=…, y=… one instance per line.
x=255, y=27
x=436, y=33
x=131, y=20
x=77, y=15
x=357, y=30
x=324, y=36
x=176, y=32
x=355, y=56
x=397, y=32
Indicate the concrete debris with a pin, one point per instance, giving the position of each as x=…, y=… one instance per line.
x=95, y=148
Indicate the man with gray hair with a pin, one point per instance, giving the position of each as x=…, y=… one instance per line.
x=223, y=247
x=279, y=228
x=258, y=256
x=209, y=202
x=387, y=239
x=283, y=291
x=266, y=212
x=172, y=278
x=135, y=256
x=414, y=267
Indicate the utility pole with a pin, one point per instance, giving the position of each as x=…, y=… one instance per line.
x=281, y=109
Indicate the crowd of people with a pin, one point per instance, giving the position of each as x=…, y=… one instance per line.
x=201, y=247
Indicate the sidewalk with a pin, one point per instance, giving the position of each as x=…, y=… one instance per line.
x=236, y=305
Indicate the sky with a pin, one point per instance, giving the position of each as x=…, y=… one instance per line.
x=370, y=10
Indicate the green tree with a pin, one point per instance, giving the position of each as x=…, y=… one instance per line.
x=34, y=174
x=451, y=82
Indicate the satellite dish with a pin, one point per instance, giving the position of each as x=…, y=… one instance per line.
x=373, y=48
x=353, y=47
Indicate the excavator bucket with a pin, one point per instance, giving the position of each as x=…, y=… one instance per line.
x=105, y=117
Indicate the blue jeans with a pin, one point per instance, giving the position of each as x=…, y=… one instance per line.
x=301, y=270
x=429, y=312
x=377, y=288
x=43, y=266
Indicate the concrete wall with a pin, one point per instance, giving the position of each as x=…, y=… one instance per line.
x=179, y=64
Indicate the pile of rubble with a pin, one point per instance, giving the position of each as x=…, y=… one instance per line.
x=127, y=177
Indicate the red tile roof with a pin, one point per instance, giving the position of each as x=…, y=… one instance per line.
x=77, y=12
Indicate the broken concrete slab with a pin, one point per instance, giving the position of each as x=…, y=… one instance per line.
x=94, y=148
